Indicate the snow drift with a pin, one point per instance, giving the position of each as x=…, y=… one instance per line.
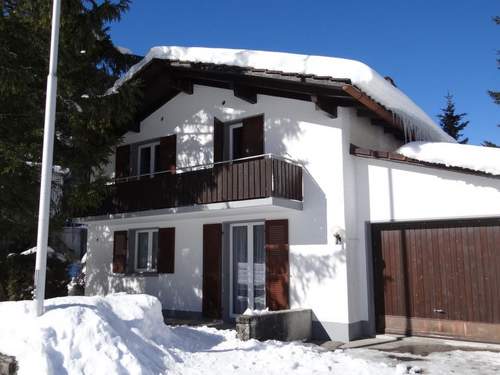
x=361, y=75
x=85, y=335
x=477, y=158
x=125, y=334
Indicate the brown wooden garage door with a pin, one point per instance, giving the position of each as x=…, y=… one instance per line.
x=438, y=278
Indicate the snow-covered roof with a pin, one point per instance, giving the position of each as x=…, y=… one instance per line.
x=361, y=75
x=477, y=158
x=124, y=50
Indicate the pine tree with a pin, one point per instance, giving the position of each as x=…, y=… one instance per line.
x=88, y=123
x=495, y=95
x=489, y=144
x=451, y=122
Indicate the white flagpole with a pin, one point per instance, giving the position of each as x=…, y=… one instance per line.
x=46, y=174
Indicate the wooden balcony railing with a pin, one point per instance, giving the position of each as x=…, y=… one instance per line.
x=259, y=177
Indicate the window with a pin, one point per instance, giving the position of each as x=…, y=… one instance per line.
x=149, y=159
x=238, y=139
x=248, y=267
x=146, y=249
x=235, y=141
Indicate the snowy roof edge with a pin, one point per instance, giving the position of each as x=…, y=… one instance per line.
x=476, y=160
x=411, y=116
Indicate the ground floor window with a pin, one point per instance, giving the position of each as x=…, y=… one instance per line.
x=248, y=268
x=146, y=248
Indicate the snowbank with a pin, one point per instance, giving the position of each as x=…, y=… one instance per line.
x=84, y=335
x=478, y=158
x=125, y=334
x=361, y=75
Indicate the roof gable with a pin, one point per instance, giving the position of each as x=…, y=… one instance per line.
x=318, y=70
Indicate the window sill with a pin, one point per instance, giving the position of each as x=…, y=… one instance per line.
x=137, y=274
x=143, y=273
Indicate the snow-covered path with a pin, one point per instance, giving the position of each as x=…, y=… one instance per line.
x=125, y=334
x=221, y=351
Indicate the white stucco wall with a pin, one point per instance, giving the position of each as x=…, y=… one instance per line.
x=363, y=134
x=406, y=192
x=287, y=124
x=313, y=271
x=360, y=132
x=324, y=276
x=294, y=129
x=387, y=191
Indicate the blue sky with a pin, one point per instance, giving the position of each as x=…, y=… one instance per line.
x=429, y=48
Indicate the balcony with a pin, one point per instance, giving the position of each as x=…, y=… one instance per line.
x=264, y=176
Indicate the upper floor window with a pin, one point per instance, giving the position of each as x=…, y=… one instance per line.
x=235, y=141
x=238, y=139
x=146, y=158
x=149, y=159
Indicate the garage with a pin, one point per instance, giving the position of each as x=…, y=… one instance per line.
x=438, y=278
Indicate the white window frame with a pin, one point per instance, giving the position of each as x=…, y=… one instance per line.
x=149, y=266
x=151, y=161
x=231, y=140
x=250, y=270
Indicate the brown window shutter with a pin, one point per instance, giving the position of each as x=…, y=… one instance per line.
x=212, y=254
x=166, y=250
x=218, y=140
x=253, y=136
x=277, y=265
x=122, y=161
x=168, y=153
x=120, y=244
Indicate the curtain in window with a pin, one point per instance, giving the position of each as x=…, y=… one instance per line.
x=142, y=250
x=154, y=250
x=259, y=267
x=240, y=270
x=145, y=161
x=157, y=166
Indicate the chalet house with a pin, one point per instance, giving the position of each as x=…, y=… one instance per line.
x=256, y=180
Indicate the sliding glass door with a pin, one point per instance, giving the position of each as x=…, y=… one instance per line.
x=248, y=268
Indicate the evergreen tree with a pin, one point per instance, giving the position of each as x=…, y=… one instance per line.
x=88, y=123
x=495, y=95
x=489, y=144
x=451, y=122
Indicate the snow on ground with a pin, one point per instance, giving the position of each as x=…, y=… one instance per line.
x=125, y=334
x=361, y=75
x=251, y=312
x=478, y=158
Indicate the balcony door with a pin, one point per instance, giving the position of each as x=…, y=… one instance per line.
x=248, y=267
x=149, y=159
x=235, y=141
